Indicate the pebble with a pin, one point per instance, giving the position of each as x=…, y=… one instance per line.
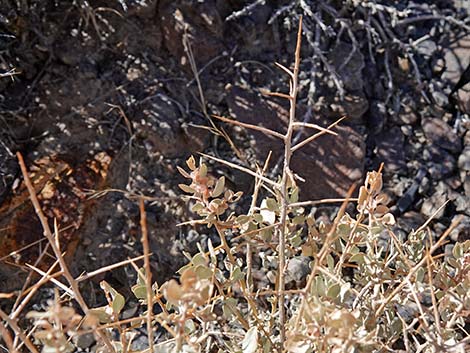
x=298, y=268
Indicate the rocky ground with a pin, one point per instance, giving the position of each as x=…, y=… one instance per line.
x=107, y=98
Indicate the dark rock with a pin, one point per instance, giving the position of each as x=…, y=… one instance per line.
x=353, y=107
x=457, y=59
x=199, y=21
x=329, y=165
x=466, y=138
x=440, y=133
x=454, y=182
x=406, y=200
x=406, y=115
x=348, y=65
x=84, y=341
x=390, y=150
x=424, y=186
x=157, y=124
x=8, y=170
x=411, y=221
x=440, y=162
x=407, y=130
x=376, y=116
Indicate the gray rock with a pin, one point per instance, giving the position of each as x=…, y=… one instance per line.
x=427, y=47
x=432, y=204
x=464, y=160
x=440, y=133
x=84, y=341
x=462, y=5
x=466, y=184
x=461, y=233
x=462, y=203
x=298, y=268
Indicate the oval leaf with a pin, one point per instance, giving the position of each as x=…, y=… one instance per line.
x=219, y=187
x=250, y=342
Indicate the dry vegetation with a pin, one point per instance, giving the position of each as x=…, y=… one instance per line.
x=349, y=286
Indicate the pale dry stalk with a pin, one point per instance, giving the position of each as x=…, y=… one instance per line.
x=286, y=175
x=18, y=331
x=254, y=199
x=6, y=336
x=54, y=245
x=30, y=293
x=148, y=273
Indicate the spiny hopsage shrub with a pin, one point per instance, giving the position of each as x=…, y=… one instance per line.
x=367, y=290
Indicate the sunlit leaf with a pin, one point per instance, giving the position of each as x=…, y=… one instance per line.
x=229, y=307
x=242, y=219
x=237, y=274
x=250, y=342
x=140, y=291
x=186, y=188
x=98, y=314
x=219, y=187
x=331, y=262
x=118, y=300
x=457, y=251
x=191, y=163
x=172, y=291
x=203, y=170
x=203, y=272
x=358, y=258
x=294, y=195
x=334, y=291
x=198, y=259
x=198, y=206
x=183, y=172
x=267, y=212
x=271, y=204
